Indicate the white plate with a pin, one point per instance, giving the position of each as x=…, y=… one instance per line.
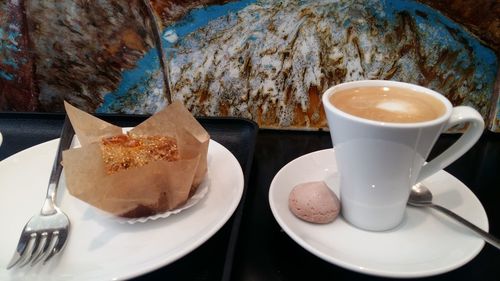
x=425, y=243
x=97, y=248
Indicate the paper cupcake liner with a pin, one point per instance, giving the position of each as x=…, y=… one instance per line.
x=193, y=200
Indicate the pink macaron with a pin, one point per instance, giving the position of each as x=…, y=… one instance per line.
x=314, y=202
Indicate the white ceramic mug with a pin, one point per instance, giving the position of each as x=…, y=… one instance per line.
x=378, y=162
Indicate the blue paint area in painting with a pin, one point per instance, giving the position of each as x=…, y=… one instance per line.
x=8, y=48
x=11, y=62
x=9, y=42
x=132, y=78
x=199, y=18
x=484, y=59
x=5, y=75
x=136, y=77
x=251, y=38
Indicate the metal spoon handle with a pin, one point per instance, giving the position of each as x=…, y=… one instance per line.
x=487, y=237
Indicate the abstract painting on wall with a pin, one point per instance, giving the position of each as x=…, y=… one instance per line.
x=266, y=60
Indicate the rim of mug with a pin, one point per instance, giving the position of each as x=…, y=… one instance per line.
x=389, y=83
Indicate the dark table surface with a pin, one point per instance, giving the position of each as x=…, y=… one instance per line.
x=251, y=246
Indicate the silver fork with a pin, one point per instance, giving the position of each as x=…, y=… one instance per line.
x=45, y=233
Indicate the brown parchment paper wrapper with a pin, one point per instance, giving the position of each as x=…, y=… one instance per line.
x=140, y=191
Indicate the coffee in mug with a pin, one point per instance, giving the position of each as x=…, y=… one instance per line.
x=388, y=104
x=382, y=133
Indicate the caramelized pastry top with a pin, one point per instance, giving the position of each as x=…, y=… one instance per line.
x=126, y=151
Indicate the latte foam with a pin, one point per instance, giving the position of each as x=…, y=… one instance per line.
x=395, y=105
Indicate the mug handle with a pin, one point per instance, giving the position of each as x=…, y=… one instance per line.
x=459, y=115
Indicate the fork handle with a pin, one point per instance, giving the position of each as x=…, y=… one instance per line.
x=64, y=143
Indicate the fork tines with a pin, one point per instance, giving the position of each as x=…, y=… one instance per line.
x=34, y=248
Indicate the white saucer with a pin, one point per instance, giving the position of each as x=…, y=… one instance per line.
x=426, y=242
